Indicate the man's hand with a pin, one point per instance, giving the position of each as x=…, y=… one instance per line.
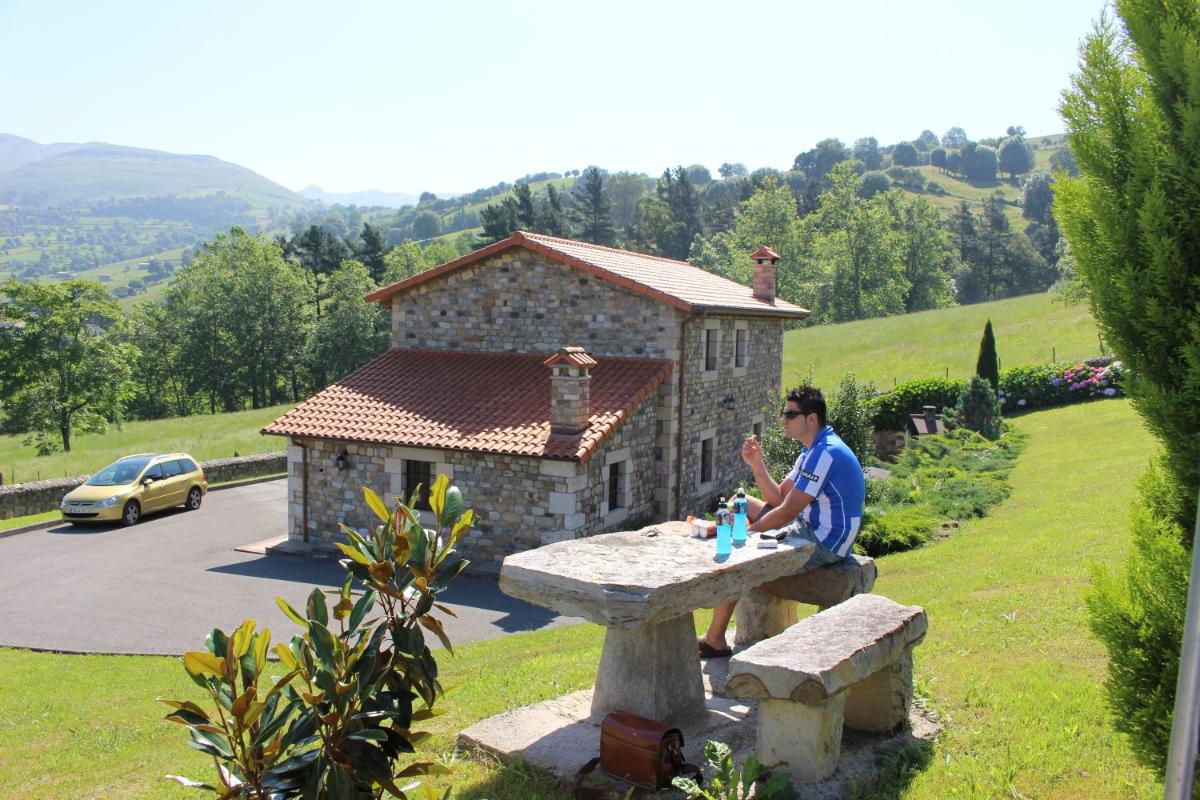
x=752, y=453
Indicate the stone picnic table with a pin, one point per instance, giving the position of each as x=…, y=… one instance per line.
x=644, y=586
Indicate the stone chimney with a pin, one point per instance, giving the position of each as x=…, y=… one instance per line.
x=570, y=390
x=765, y=261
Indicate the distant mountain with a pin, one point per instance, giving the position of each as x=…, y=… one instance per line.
x=33, y=174
x=371, y=197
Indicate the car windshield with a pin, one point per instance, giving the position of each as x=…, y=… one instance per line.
x=120, y=473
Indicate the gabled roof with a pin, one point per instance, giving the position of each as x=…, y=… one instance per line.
x=676, y=283
x=482, y=402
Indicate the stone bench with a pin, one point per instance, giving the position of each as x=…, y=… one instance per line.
x=850, y=665
x=771, y=608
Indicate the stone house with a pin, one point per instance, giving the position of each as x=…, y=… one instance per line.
x=566, y=388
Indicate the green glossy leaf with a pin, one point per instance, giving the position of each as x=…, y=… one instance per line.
x=185, y=705
x=369, y=735
x=376, y=505
x=437, y=495
x=353, y=554
x=285, y=656
x=361, y=609
x=323, y=643
x=317, y=610
x=290, y=612
x=212, y=743
x=242, y=638
x=423, y=768
x=199, y=663
x=217, y=642
x=453, y=506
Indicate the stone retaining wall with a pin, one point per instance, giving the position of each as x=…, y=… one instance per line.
x=38, y=497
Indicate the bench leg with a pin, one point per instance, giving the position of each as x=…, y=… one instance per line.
x=651, y=670
x=879, y=703
x=761, y=615
x=808, y=738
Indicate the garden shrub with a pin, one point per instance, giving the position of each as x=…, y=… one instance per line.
x=895, y=528
x=893, y=408
x=988, y=364
x=1044, y=385
x=1138, y=611
x=978, y=409
x=359, y=678
x=851, y=414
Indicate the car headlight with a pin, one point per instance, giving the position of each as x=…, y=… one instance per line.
x=110, y=501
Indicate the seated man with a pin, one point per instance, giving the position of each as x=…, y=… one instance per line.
x=821, y=498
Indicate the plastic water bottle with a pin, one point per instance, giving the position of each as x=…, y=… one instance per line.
x=724, y=529
x=739, y=516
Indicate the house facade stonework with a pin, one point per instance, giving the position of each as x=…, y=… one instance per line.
x=686, y=364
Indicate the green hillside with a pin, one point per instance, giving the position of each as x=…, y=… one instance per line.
x=98, y=171
x=1029, y=330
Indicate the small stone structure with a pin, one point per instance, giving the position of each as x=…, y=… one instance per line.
x=38, y=497
x=850, y=665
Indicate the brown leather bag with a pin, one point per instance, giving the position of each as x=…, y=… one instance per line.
x=635, y=753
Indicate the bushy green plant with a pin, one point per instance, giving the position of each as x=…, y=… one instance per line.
x=342, y=716
x=852, y=415
x=893, y=408
x=1138, y=612
x=894, y=529
x=977, y=409
x=730, y=782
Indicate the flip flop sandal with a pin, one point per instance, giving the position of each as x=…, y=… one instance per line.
x=708, y=651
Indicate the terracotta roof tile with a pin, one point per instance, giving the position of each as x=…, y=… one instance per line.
x=676, y=283
x=764, y=252
x=483, y=402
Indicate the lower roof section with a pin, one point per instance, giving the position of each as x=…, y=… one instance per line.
x=482, y=402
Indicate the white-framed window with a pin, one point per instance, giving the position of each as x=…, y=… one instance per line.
x=418, y=473
x=741, y=345
x=618, y=486
x=711, y=349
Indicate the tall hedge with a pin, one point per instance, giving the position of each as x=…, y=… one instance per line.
x=1130, y=219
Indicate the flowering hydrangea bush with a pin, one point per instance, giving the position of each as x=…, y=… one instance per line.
x=1058, y=384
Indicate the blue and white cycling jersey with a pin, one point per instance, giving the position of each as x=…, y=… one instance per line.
x=830, y=473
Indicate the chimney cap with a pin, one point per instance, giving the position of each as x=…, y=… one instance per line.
x=571, y=356
x=764, y=252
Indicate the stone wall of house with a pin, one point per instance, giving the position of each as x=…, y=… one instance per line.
x=755, y=392
x=38, y=497
x=522, y=502
x=522, y=302
x=631, y=445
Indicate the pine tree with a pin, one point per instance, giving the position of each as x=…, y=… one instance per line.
x=527, y=217
x=1130, y=222
x=988, y=365
x=592, y=212
x=552, y=219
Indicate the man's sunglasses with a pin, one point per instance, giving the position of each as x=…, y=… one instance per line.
x=791, y=413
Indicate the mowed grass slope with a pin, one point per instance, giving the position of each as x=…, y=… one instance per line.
x=204, y=436
x=1029, y=330
x=1008, y=663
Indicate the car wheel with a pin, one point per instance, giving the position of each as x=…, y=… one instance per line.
x=195, y=496
x=131, y=513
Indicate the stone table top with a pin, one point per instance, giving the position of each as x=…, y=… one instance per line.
x=634, y=578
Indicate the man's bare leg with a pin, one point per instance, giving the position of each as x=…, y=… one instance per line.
x=714, y=637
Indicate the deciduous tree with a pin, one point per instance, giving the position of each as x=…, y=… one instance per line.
x=63, y=365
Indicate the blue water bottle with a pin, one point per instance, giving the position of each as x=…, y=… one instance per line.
x=739, y=516
x=724, y=529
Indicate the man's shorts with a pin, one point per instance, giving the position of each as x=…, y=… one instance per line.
x=800, y=529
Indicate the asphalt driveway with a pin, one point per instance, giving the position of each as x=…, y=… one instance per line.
x=162, y=585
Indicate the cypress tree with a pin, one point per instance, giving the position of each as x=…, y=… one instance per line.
x=988, y=366
x=1130, y=222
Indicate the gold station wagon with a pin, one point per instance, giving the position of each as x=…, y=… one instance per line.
x=136, y=485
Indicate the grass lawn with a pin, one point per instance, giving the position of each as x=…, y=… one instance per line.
x=205, y=436
x=1008, y=662
x=1029, y=330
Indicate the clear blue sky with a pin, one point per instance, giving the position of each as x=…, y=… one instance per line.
x=452, y=96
